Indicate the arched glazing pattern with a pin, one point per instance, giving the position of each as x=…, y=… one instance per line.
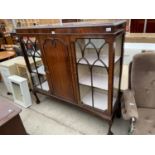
x=92, y=61
x=92, y=50
x=35, y=63
x=31, y=47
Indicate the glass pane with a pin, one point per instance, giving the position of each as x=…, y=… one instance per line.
x=38, y=74
x=100, y=77
x=92, y=50
x=92, y=61
x=84, y=75
x=104, y=54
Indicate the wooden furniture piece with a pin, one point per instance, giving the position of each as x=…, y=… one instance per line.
x=20, y=90
x=14, y=38
x=142, y=26
x=7, y=47
x=8, y=38
x=82, y=63
x=137, y=25
x=2, y=26
x=70, y=20
x=6, y=55
x=10, y=121
x=2, y=41
x=33, y=22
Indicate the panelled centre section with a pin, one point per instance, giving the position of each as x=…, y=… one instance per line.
x=58, y=62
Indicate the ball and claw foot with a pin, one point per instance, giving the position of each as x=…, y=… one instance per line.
x=109, y=129
x=8, y=93
x=110, y=132
x=37, y=101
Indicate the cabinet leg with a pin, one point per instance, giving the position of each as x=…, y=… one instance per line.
x=8, y=93
x=37, y=98
x=118, y=114
x=109, y=130
x=118, y=111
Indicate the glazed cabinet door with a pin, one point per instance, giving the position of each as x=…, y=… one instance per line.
x=58, y=59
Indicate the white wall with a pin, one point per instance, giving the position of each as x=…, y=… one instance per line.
x=130, y=49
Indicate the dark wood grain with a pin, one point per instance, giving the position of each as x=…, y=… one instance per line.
x=150, y=28
x=10, y=121
x=137, y=25
x=58, y=64
x=57, y=44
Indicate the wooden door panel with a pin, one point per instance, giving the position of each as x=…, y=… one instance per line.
x=137, y=25
x=150, y=26
x=59, y=68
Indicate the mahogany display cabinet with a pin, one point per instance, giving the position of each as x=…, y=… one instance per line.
x=81, y=64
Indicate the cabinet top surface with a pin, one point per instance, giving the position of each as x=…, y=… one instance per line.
x=112, y=22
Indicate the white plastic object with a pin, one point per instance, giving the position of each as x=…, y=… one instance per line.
x=20, y=90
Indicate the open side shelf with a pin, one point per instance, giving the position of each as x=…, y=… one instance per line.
x=44, y=86
x=40, y=70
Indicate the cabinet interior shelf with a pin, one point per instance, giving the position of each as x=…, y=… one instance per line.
x=100, y=99
x=44, y=86
x=32, y=53
x=40, y=70
x=99, y=77
x=98, y=81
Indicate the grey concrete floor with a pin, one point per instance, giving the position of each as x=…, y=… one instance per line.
x=52, y=117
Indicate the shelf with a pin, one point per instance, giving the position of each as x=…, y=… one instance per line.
x=100, y=80
x=100, y=100
x=37, y=53
x=91, y=60
x=44, y=86
x=41, y=70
